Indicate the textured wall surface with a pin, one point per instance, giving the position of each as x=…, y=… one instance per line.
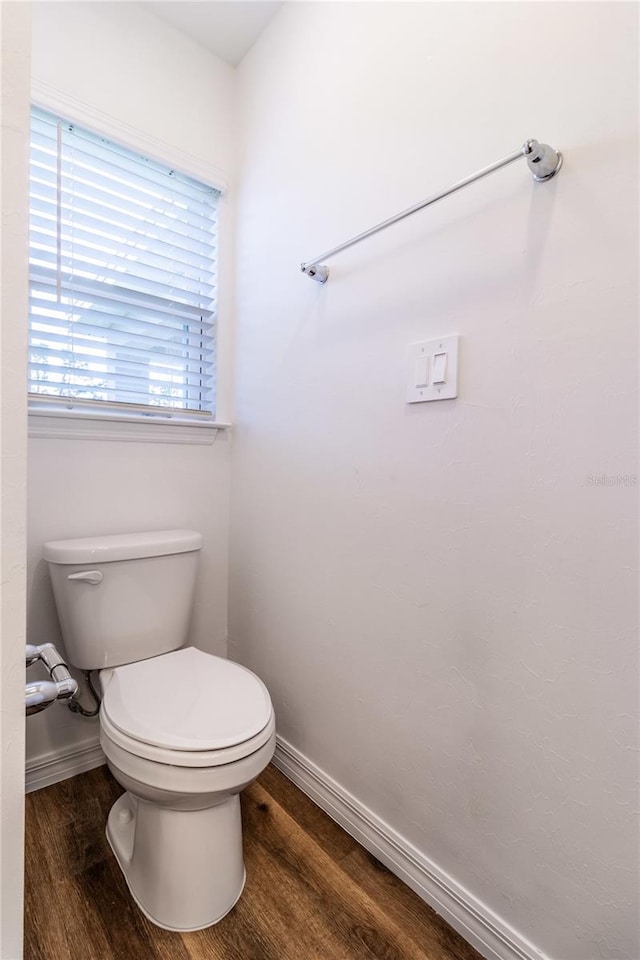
x=14, y=144
x=441, y=598
x=119, y=60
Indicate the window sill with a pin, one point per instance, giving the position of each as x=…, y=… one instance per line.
x=70, y=425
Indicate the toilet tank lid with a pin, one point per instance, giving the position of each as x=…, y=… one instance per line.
x=122, y=546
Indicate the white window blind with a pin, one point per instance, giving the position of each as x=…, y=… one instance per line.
x=123, y=278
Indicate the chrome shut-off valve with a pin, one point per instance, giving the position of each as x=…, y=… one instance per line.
x=42, y=693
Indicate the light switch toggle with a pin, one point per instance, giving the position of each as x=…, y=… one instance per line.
x=440, y=368
x=421, y=372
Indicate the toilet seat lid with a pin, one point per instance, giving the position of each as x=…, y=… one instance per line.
x=187, y=700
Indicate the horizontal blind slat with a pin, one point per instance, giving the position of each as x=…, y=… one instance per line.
x=112, y=369
x=148, y=249
x=153, y=209
x=79, y=259
x=76, y=193
x=138, y=348
x=42, y=267
x=43, y=158
x=101, y=320
x=44, y=203
x=147, y=337
x=90, y=387
x=90, y=296
x=64, y=377
x=105, y=207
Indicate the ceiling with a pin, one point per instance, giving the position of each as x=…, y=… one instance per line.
x=228, y=28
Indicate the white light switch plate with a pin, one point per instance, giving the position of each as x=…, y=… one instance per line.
x=427, y=351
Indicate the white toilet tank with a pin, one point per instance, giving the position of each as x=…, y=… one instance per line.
x=123, y=598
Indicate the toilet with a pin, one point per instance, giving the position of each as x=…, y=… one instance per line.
x=183, y=731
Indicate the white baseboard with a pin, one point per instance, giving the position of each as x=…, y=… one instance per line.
x=479, y=926
x=42, y=772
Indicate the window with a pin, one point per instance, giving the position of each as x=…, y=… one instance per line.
x=122, y=278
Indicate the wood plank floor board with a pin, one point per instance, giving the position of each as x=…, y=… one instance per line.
x=68, y=843
x=325, y=831
x=109, y=907
x=62, y=927
x=232, y=939
x=422, y=923
x=312, y=892
x=282, y=906
x=345, y=917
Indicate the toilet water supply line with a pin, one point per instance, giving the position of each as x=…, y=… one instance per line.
x=76, y=707
x=62, y=686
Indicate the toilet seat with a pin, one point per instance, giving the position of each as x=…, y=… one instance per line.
x=186, y=758
x=186, y=708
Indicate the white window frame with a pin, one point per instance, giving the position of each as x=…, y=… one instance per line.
x=106, y=424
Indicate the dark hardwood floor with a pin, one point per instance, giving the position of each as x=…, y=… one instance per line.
x=312, y=892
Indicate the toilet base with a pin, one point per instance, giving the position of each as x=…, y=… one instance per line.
x=184, y=868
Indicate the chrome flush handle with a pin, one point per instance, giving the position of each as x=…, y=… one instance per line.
x=87, y=576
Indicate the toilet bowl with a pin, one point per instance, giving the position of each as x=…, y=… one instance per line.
x=182, y=731
x=183, y=765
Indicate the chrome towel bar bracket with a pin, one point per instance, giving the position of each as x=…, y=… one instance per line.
x=42, y=693
x=543, y=161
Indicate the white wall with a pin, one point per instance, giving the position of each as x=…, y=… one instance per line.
x=14, y=145
x=441, y=603
x=146, y=78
